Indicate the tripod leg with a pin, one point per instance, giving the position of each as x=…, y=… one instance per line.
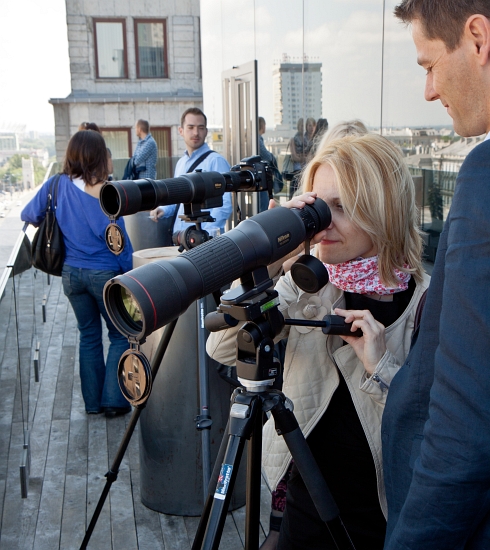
x=112, y=473
x=208, y=501
x=287, y=426
x=254, y=472
x=244, y=414
x=203, y=420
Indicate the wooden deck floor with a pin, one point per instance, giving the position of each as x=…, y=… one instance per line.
x=71, y=452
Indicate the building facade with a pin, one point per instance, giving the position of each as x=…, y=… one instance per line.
x=130, y=60
x=297, y=89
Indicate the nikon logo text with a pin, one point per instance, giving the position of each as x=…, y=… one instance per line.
x=283, y=239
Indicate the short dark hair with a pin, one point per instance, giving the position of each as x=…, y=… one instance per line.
x=86, y=157
x=442, y=19
x=143, y=125
x=89, y=126
x=193, y=111
x=261, y=122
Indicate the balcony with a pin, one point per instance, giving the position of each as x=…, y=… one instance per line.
x=52, y=453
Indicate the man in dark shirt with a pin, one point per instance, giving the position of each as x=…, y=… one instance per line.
x=436, y=424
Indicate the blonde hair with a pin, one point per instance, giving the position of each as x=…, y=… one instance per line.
x=378, y=195
x=348, y=128
x=353, y=127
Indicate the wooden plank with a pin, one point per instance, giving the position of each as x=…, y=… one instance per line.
x=19, y=515
x=122, y=513
x=175, y=535
x=73, y=522
x=122, y=516
x=191, y=525
x=48, y=528
x=64, y=385
x=148, y=529
x=230, y=539
x=97, y=468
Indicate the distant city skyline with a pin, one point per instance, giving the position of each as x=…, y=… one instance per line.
x=345, y=35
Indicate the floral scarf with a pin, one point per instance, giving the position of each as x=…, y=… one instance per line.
x=361, y=276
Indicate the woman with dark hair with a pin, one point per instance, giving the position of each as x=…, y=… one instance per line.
x=95, y=128
x=88, y=265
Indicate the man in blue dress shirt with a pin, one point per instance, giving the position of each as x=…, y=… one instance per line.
x=193, y=128
x=146, y=152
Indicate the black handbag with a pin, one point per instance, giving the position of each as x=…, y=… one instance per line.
x=48, y=247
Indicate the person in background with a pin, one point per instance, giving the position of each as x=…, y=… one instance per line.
x=88, y=265
x=193, y=129
x=436, y=426
x=320, y=129
x=146, y=153
x=271, y=159
x=95, y=128
x=310, y=131
x=338, y=384
x=297, y=147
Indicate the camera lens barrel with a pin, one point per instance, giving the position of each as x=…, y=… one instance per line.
x=163, y=290
x=122, y=198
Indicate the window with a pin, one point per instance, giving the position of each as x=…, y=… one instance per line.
x=162, y=137
x=110, y=48
x=118, y=140
x=151, y=48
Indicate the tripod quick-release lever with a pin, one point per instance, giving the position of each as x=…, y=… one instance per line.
x=330, y=324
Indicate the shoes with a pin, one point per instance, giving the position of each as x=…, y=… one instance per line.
x=112, y=412
x=94, y=412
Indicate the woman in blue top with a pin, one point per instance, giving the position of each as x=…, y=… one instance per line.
x=88, y=265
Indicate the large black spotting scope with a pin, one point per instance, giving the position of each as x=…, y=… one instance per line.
x=122, y=198
x=148, y=297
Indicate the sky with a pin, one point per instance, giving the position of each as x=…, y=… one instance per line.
x=34, y=63
x=344, y=35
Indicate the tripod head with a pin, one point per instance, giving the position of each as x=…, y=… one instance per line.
x=255, y=302
x=192, y=235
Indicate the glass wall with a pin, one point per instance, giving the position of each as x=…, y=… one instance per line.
x=335, y=60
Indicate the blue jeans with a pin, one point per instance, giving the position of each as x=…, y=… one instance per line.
x=100, y=388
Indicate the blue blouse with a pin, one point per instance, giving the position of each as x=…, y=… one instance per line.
x=83, y=225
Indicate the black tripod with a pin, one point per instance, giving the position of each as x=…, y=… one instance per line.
x=256, y=368
x=187, y=239
x=137, y=375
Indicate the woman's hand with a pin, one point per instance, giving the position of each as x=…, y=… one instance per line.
x=370, y=347
x=298, y=202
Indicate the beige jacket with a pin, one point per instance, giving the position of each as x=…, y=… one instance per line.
x=310, y=376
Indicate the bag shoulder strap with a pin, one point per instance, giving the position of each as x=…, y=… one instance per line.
x=199, y=160
x=191, y=169
x=54, y=187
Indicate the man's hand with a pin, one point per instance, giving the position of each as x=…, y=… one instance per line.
x=156, y=214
